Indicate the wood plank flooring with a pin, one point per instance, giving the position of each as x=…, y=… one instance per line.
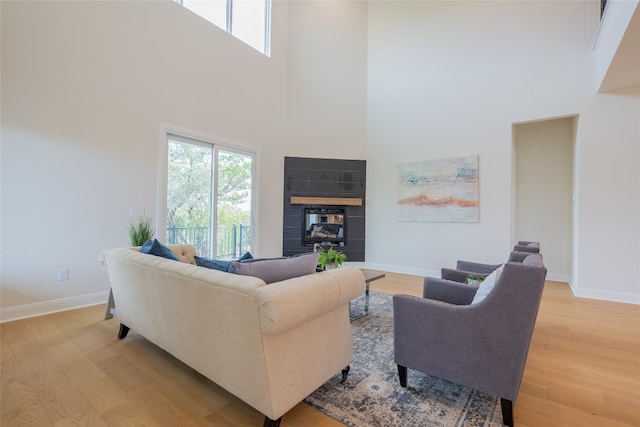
x=69, y=369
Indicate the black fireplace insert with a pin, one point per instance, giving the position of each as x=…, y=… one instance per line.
x=325, y=226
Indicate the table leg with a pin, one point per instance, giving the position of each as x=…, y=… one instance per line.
x=366, y=304
x=366, y=298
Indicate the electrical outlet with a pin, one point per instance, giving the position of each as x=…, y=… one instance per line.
x=63, y=274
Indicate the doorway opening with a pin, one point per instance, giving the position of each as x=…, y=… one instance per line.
x=545, y=189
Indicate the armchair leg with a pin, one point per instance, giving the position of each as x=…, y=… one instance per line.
x=345, y=372
x=507, y=412
x=268, y=422
x=402, y=375
x=124, y=330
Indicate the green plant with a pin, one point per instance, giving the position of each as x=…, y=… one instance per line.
x=475, y=278
x=331, y=257
x=140, y=230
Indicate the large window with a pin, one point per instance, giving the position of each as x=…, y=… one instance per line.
x=209, y=197
x=248, y=20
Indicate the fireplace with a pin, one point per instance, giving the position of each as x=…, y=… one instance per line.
x=324, y=203
x=325, y=226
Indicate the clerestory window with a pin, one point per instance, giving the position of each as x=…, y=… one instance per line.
x=247, y=20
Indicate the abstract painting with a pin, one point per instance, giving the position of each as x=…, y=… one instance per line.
x=444, y=190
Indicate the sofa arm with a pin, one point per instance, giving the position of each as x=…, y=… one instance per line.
x=448, y=291
x=290, y=303
x=420, y=324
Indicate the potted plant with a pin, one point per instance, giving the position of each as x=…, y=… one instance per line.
x=475, y=279
x=140, y=230
x=330, y=258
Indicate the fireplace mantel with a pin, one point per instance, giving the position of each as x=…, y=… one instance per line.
x=337, y=201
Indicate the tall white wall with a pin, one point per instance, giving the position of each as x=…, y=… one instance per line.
x=327, y=79
x=85, y=89
x=449, y=79
x=87, y=85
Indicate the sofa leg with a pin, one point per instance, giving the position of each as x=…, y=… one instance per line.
x=124, y=330
x=402, y=375
x=345, y=372
x=268, y=422
x=507, y=412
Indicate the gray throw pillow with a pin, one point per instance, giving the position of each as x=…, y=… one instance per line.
x=276, y=269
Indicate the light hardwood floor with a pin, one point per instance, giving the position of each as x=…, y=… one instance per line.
x=68, y=369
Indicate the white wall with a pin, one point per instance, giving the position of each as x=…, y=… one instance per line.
x=450, y=78
x=327, y=79
x=85, y=88
x=608, y=258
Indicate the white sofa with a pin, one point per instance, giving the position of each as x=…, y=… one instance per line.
x=270, y=345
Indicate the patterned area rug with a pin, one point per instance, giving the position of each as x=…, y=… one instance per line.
x=372, y=395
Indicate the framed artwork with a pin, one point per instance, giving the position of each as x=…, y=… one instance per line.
x=444, y=190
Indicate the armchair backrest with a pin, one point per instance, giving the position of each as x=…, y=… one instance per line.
x=510, y=312
x=526, y=246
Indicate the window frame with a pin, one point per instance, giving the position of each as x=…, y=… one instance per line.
x=266, y=48
x=168, y=132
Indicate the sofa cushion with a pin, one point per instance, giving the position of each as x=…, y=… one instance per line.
x=487, y=285
x=153, y=247
x=276, y=269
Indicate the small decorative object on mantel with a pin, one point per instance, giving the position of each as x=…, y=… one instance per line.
x=140, y=230
x=330, y=258
x=474, y=279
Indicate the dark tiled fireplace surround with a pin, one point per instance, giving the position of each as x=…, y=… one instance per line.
x=343, y=180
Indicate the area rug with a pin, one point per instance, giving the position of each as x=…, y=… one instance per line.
x=372, y=395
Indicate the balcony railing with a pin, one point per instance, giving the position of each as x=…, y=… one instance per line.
x=231, y=241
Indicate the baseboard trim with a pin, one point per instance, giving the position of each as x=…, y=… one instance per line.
x=402, y=270
x=559, y=277
x=623, y=297
x=18, y=312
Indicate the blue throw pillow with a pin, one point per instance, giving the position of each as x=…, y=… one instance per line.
x=246, y=255
x=214, y=264
x=153, y=247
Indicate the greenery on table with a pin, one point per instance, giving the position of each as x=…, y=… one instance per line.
x=331, y=257
x=475, y=278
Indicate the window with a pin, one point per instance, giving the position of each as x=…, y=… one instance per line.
x=209, y=197
x=247, y=20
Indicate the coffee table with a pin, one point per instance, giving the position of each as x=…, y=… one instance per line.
x=369, y=276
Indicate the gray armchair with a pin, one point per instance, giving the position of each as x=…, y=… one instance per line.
x=527, y=246
x=483, y=345
x=464, y=268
